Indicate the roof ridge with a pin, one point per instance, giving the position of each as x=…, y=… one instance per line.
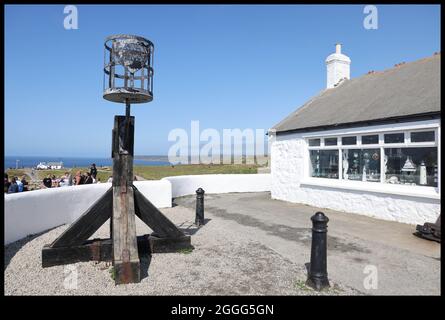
x=399, y=65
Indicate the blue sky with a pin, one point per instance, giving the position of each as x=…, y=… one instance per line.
x=226, y=66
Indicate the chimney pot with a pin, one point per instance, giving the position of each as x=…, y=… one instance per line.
x=338, y=48
x=338, y=67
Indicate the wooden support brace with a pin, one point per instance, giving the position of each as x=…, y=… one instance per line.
x=154, y=218
x=85, y=226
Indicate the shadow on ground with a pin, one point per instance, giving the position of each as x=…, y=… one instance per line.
x=189, y=228
x=12, y=248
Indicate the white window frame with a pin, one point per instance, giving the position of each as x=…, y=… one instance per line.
x=380, y=131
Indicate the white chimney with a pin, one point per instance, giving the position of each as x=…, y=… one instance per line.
x=338, y=67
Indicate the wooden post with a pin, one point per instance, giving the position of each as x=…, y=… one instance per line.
x=125, y=250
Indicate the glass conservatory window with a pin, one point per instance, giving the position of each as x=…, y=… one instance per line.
x=349, y=140
x=314, y=142
x=371, y=139
x=365, y=157
x=412, y=166
x=394, y=138
x=330, y=141
x=361, y=164
x=324, y=164
x=422, y=136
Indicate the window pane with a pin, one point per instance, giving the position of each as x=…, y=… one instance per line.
x=416, y=166
x=361, y=164
x=330, y=141
x=422, y=136
x=324, y=163
x=349, y=140
x=314, y=142
x=373, y=139
x=394, y=138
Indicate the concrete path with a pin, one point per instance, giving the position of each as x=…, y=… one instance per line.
x=405, y=264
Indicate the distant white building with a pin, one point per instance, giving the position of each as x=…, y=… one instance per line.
x=369, y=145
x=49, y=165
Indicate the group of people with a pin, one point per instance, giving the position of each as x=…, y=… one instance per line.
x=14, y=184
x=67, y=179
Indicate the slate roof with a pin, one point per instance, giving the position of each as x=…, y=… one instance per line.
x=404, y=91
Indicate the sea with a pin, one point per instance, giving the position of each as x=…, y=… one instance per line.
x=73, y=162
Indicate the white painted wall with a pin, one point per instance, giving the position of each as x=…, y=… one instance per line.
x=36, y=211
x=291, y=182
x=219, y=183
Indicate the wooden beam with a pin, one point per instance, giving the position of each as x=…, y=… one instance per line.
x=125, y=251
x=85, y=226
x=90, y=250
x=154, y=218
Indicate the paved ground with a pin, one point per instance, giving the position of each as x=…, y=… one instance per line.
x=405, y=264
x=250, y=244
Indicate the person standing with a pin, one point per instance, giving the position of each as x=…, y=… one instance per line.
x=13, y=188
x=25, y=183
x=6, y=183
x=93, y=171
x=19, y=185
x=55, y=181
x=47, y=182
x=78, y=179
x=88, y=179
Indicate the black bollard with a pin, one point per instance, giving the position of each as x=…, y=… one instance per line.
x=318, y=274
x=199, y=220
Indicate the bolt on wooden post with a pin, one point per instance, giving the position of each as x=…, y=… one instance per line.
x=318, y=274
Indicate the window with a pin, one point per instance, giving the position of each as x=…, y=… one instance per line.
x=372, y=139
x=422, y=136
x=394, y=138
x=330, y=141
x=361, y=164
x=314, y=142
x=413, y=166
x=324, y=164
x=348, y=141
x=413, y=163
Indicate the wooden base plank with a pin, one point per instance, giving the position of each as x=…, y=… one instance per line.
x=91, y=250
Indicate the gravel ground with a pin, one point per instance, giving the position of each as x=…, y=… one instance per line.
x=222, y=263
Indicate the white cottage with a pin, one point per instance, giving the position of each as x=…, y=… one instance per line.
x=369, y=145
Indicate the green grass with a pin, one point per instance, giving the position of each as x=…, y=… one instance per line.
x=185, y=250
x=19, y=173
x=159, y=172
x=101, y=174
x=149, y=172
x=301, y=284
x=112, y=272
